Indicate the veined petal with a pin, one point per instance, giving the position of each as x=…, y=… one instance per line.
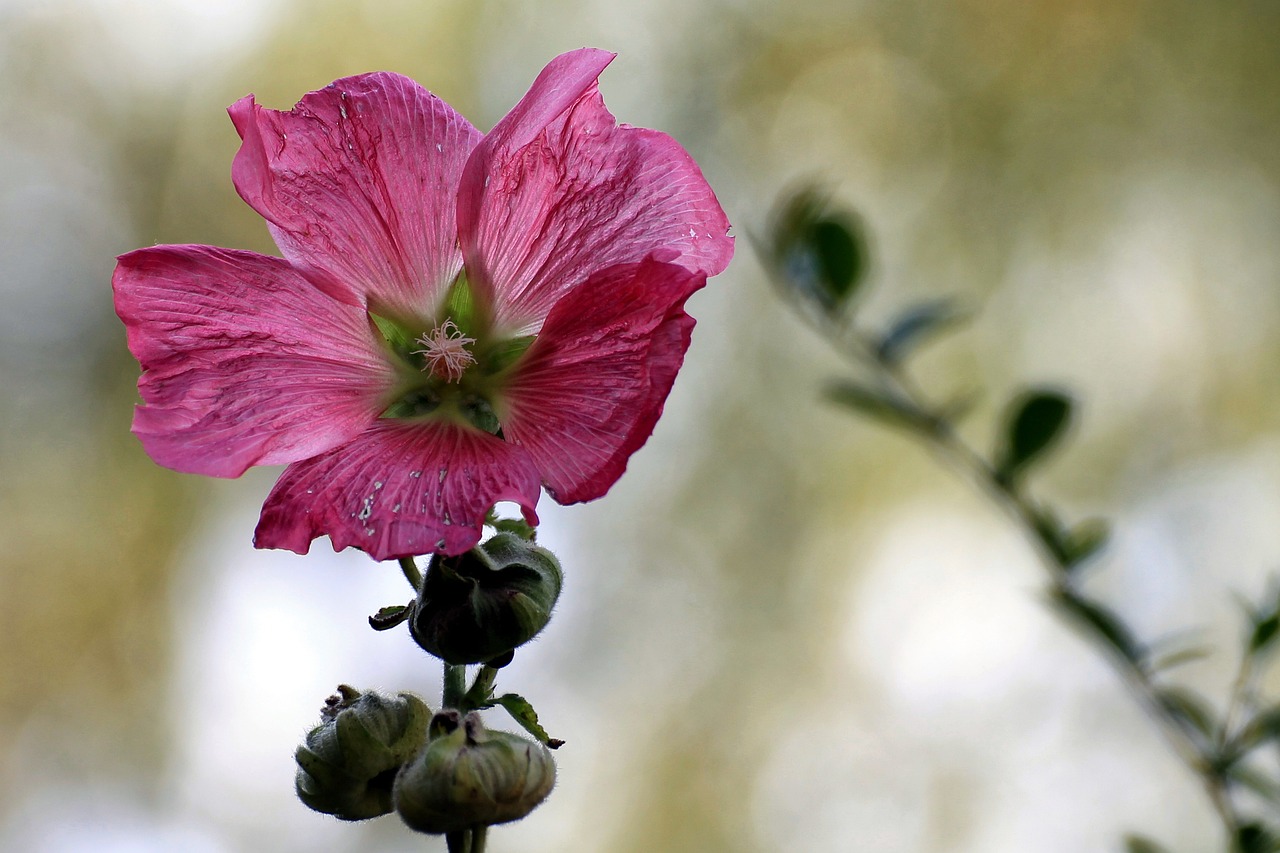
x=358, y=182
x=244, y=361
x=399, y=490
x=593, y=384
x=558, y=191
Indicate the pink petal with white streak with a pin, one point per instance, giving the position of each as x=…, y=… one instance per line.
x=593, y=384
x=558, y=191
x=244, y=361
x=358, y=184
x=399, y=490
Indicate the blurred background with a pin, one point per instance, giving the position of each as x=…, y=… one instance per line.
x=784, y=629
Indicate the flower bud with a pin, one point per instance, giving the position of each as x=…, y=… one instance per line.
x=348, y=763
x=469, y=776
x=480, y=605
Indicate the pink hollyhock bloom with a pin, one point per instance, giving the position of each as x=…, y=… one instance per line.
x=458, y=319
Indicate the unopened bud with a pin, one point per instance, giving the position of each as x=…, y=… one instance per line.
x=348, y=763
x=469, y=776
x=478, y=606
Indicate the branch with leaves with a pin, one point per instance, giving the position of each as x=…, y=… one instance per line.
x=816, y=254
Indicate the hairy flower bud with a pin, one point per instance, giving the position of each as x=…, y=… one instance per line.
x=348, y=763
x=480, y=605
x=469, y=776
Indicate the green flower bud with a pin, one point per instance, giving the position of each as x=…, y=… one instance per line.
x=478, y=606
x=469, y=776
x=347, y=765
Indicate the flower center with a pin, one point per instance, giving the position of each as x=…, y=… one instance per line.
x=444, y=350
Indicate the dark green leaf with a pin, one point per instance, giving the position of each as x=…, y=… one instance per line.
x=1256, y=838
x=1035, y=421
x=1102, y=623
x=389, y=617
x=915, y=326
x=880, y=405
x=1265, y=630
x=522, y=712
x=1190, y=710
x=819, y=252
x=1142, y=844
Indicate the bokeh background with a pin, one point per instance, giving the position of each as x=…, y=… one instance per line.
x=783, y=629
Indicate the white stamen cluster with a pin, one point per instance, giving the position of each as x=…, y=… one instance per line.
x=445, y=350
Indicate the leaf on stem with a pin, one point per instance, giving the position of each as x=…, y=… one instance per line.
x=883, y=406
x=916, y=326
x=1190, y=710
x=1142, y=844
x=522, y=712
x=1085, y=540
x=1101, y=623
x=819, y=252
x=388, y=617
x=1034, y=421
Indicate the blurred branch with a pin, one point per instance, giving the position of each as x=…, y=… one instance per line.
x=809, y=264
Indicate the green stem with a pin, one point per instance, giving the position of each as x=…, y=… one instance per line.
x=478, y=838
x=411, y=573
x=455, y=685
x=459, y=842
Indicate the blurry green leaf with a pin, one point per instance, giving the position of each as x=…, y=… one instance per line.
x=1263, y=727
x=1035, y=421
x=820, y=253
x=1256, y=781
x=915, y=326
x=1190, y=710
x=389, y=617
x=1256, y=838
x=880, y=405
x=1102, y=623
x=1178, y=657
x=1085, y=540
x=516, y=526
x=522, y=712
x=1142, y=844
x=1264, y=631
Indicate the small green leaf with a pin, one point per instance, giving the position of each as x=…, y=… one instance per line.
x=389, y=617
x=1255, y=780
x=1178, y=657
x=880, y=405
x=818, y=251
x=1142, y=844
x=1035, y=421
x=1085, y=540
x=1190, y=710
x=516, y=526
x=1101, y=623
x=522, y=712
x=915, y=326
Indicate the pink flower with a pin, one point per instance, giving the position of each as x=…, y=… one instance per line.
x=458, y=318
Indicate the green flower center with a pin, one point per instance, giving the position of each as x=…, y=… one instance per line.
x=451, y=366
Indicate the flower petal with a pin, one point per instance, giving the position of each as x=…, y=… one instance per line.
x=359, y=183
x=594, y=382
x=244, y=361
x=399, y=490
x=558, y=191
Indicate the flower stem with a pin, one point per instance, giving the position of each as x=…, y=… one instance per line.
x=411, y=573
x=455, y=685
x=459, y=842
x=478, y=838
